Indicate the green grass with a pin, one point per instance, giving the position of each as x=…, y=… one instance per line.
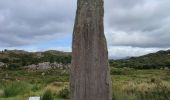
x=141, y=84
x=20, y=84
x=15, y=88
x=127, y=84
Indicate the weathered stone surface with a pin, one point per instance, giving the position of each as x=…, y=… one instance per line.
x=90, y=77
x=48, y=65
x=2, y=64
x=44, y=65
x=32, y=67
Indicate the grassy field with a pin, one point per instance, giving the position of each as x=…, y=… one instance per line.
x=20, y=84
x=127, y=84
x=130, y=84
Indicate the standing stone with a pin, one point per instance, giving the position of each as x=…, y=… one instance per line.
x=90, y=75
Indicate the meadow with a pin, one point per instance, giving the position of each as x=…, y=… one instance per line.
x=127, y=84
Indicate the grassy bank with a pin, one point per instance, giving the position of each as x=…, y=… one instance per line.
x=127, y=84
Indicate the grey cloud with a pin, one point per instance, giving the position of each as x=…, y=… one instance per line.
x=109, y=4
x=148, y=19
x=33, y=21
x=131, y=24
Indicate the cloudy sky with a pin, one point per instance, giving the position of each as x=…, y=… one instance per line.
x=132, y=27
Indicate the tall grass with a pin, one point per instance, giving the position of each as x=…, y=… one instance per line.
x=15, y=88
x=142, y=91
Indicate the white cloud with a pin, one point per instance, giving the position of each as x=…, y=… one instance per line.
x=117, y=52
x=121, y=38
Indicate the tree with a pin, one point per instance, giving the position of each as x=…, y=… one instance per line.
x=90, y=73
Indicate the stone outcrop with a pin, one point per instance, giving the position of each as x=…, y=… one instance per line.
x=44, y=66
x=90, y=76
x=48, y=65
x=2, y=64
x=32, y=67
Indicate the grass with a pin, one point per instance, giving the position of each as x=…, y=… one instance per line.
x=127, y=84
x=141, y=84
x=15, y=88
x=21, y=84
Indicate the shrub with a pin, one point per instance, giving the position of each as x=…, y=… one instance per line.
x=153, y=80
x=64, y=93
x=121, y=71
x=36, y=87
x=14, y=66
x=116, y=72
x=48, y=95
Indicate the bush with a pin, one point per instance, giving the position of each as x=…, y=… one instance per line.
x=14, y=66
x=121, y=71
x=47, y=95
x=116, y=72
x=64, y=93
x=36, y=87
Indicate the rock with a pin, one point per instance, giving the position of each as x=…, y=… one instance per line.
x=33, y=67
x=2, y=65
x=90, y=75
x=44, y=66
x=48, y=65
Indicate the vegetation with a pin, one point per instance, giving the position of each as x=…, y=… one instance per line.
x=128, y=82
x=48, y=95
x=64, y=93
x=131, y=84
x=21, y=84
x=15, y=88
x=16, y=59
x=158, y=60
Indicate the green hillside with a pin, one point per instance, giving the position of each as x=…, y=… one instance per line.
x=160, y=59
x=18, y=58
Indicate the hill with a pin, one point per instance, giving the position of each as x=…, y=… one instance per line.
x=160, y=59
x=19, y=58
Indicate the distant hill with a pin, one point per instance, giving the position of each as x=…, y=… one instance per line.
x=19, y=58
x=156, y=60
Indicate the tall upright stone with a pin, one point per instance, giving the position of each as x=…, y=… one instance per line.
x=90, y=76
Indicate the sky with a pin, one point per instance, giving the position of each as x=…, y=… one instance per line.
x=132, y=27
